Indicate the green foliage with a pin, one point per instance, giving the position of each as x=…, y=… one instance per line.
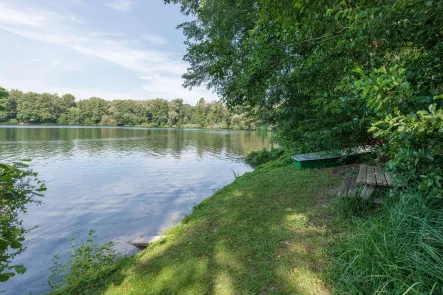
x=409, y=124
x=291, y=60
x=51, y=109
x=256, y=158
x=19, y=187
x=397, y=250
x=86, y=261
x=3, y=94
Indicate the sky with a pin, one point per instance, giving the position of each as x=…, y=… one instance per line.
x=113, y=49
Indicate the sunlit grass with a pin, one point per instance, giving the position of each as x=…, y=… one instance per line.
x=266, y=233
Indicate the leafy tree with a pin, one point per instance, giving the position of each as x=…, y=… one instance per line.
x=67, y=101
x=159, y=112
x=201, y=112
x=175, y=113
x=93, y=110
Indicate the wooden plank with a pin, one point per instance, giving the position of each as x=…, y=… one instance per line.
x=370, y=177
x=379, y=177
x=377, y=201
x=363, y=192
x=142, y=242
x=352, y=191
x=389, y=179
x=361, y=178
x=367, y=191
x=344, y=187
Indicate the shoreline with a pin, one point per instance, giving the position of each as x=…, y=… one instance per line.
x=267, y=129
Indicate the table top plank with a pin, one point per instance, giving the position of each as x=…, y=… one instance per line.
x=345, y=186
x=380, y=177
x=352, y=191
x=370, y=177
x=361, y=178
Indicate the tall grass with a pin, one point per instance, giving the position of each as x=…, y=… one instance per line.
x=397, y=250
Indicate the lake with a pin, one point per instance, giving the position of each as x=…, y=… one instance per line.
x=120, y=182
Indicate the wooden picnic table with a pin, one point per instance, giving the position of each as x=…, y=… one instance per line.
x=369, y=177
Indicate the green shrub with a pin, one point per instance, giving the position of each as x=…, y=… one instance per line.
x=256, y=158
x=398, y=250
x=86, y=263
x=409, y=123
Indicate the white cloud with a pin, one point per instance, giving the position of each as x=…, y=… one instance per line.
x=155, y=39
x=34, y=59
x=52, y=67
x=14, y=17
x=34, y=17
x=105, y=34
x=121, y=5
x=72, y=68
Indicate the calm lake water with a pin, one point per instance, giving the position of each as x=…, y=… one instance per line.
x=120, y=182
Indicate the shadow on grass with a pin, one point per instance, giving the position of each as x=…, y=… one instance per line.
x=267, y=233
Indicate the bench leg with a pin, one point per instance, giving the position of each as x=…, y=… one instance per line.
x=366, y=192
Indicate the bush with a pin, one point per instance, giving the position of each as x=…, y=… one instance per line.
x=399, y=250
x=85, y=264
x=256, y=158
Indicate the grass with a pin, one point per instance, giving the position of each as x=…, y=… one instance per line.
x=397, y=249
x=266, y=233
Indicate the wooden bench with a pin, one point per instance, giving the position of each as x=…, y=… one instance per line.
x=369, y=177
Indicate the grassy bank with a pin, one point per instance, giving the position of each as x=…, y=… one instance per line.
x=266, y=233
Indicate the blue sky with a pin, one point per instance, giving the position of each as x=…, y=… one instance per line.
x=114, y=49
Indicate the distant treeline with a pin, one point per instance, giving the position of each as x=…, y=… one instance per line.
x=48, y=108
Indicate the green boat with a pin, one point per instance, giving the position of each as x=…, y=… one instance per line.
x=329, y=158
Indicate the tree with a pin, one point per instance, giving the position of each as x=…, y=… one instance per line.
x=217, y=115
x=159, y=111
x=175, y=113
x=67, y=101
x=93, y=110
x=200, y=112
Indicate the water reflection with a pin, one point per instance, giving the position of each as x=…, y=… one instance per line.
x=121, y=182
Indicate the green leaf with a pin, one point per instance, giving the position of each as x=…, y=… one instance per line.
x=20, y=269
x=6, y=276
